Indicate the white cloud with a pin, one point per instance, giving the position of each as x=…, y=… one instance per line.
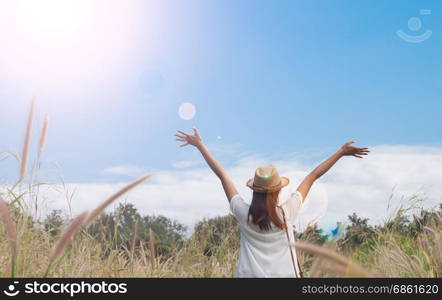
x=353, y=185
x=124, y=170
x=365, y=186
x=182, y=164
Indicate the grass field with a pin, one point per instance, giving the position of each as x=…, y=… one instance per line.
x=35, y=249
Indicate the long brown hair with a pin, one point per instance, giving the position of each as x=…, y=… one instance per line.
x=262, y=211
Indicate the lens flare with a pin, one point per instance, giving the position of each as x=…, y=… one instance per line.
x=187, y=111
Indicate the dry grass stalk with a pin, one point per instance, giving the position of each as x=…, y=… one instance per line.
x=68, y=233
x=27, y=141
x=9, y=225
x=152, y=248
x=44, y=133
x=10, y=232
x=315, y=269
x=96, y=212
x=334, y=268
x=333, y=256
x=133, y=237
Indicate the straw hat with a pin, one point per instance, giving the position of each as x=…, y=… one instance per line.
x=267, y=179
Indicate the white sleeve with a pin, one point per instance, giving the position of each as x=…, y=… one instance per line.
x=239, y=208
x=292, y=205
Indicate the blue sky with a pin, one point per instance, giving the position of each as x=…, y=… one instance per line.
x=268, y=77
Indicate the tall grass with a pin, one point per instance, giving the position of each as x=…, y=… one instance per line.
x=394, y=255
x=27, y=142
x=10, y=233
x=389, y=255
x=65, y=238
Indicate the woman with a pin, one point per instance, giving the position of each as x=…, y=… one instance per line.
x=267, y=227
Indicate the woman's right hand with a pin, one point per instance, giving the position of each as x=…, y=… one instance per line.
x=189, y=139
x=196, y=140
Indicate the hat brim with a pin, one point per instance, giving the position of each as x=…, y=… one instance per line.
x=284, y=182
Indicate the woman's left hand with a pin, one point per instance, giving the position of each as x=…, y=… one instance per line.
x=348, y=150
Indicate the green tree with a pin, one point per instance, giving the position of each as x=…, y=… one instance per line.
x=356, y=232
x=115, y=229
x=312, y=234
x=53, y=223
x=417, y=224
x=216, y=233
x=169, y=234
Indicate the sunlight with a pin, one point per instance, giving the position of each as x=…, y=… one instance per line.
x=54, y=18
x=50, y=45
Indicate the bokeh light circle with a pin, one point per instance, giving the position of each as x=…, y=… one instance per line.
x=187, y=111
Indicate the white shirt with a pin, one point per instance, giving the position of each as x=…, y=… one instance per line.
x=266, y=253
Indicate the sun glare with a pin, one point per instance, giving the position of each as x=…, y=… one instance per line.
x=55, y=18
x=50, y=45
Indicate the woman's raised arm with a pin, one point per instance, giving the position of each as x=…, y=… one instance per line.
x=346, y=150
x=196, y=140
